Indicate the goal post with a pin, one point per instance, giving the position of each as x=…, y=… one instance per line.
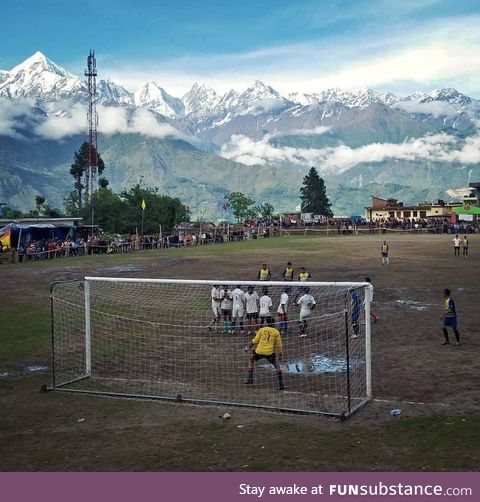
x=185, y=340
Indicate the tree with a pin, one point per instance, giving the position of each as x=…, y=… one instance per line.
x=51, y=212
x=111, y=212
x=314, y=196
x=265, y=211
x=242, y=206
x=72, y=204
x=78, y=170
x=39, y=202
x=159, y=209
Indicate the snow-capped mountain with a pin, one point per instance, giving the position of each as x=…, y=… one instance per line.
x=200, y=101
x=153, y=97
x=38, y=77
x=303, y=99
x=41, y=79
x=257, y=99
x=3, y=75
x=449, y=95
x=258, y=109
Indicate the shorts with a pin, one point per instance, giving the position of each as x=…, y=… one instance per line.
x=265, y=319
x=252, y=315
x=384, y=254
x=227, y=312
x=450, y=321
x=282, y=316
x=304, y=316
x=271, y=358
x=237, y=312
x=216, y=310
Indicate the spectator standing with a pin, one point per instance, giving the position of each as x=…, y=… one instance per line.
x=456, y=245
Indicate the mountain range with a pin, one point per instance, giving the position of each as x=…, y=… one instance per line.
x=204, y=144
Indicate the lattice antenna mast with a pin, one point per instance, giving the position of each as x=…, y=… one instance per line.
x=92, y=171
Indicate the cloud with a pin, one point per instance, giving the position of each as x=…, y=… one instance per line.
x=11, y=112
x=334, y=160
x=435, y=108
x=60, y=124
x=64, y=119
x=301, y=132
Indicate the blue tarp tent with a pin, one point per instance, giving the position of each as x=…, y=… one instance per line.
x=24, y=233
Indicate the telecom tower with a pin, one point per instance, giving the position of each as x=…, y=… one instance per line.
x=92, y=171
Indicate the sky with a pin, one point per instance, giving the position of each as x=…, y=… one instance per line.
x=302, y=45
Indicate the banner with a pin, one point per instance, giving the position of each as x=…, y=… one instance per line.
x=5, y=238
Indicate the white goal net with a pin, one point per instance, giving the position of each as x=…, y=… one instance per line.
x=186, y=340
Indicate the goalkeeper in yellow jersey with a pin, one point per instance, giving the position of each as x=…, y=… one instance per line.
x=265, y=342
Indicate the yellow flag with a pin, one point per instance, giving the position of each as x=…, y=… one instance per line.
x=143, y=205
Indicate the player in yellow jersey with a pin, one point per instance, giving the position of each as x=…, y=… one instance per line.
x=265, y=342
x=304, y=276
x=264, y=273
x=288, y=272
x=465, y=246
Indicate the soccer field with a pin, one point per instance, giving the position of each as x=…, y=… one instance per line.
x=435, y=386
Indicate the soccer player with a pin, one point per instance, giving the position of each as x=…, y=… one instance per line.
x=450, y=317
x=384, y=253
x=307, y=304
x=216, y=300
x=287, y=274
x=303, y=276
x=465, y=246
x=369, y=292
x=282, y=310
x=226, y=305
x=456, y=246
x=356, y=310
x=264, y=273
x=265, y=304
x=238, y=297
x=265, y=342
x=251, y=303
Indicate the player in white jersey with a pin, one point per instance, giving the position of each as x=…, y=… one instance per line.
x=265, y=304
x=216, y=299
x=238, y=298
x=251, y=304
x=307, y=304
x=282, y=310
x=226, y=305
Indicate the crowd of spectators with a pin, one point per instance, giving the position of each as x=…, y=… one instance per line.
x=360, y=225
x=99, y=243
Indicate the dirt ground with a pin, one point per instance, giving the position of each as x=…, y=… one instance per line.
x=435, y=386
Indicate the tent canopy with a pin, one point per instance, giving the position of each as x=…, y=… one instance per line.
x=20, y=234
x=467, y=209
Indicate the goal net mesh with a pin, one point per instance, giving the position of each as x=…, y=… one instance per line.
x=161, y=339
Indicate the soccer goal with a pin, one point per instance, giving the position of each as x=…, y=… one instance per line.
x=176, y=340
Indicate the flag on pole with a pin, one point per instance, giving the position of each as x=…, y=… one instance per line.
x=143, y=205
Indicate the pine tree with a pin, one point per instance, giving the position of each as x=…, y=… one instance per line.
x=313, y=195
x=78, y=170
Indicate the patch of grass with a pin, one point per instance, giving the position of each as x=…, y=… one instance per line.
x=25, y=331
